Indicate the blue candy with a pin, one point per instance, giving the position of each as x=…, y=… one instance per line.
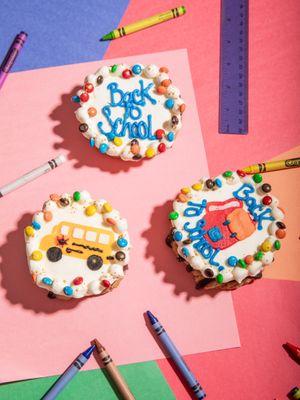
x=232, y=261
x=75, y=99
x=218, y=182
x=185, y=251
x=136, y=69
x=170, y=136
x=169, y=103
x=36, y=225
x=221, y=268
x=122, y=242
x=68, y=290
x=92, y=142
x=111, y=136
x=103, y=148
x=47, y=281
x=177, y=236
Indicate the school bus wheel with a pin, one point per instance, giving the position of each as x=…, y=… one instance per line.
x=94, y=262
x=54, y=254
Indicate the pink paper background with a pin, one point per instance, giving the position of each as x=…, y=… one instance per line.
x=37, y=117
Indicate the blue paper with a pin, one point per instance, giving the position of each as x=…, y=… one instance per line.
x=59, y=32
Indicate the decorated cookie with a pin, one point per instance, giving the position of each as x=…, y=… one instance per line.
x=76, y=246
x=226, y=229
x=132, y=112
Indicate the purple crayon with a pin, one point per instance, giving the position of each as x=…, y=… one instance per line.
x=11, y=56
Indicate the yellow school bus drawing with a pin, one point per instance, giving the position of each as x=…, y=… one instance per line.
x=79, y=241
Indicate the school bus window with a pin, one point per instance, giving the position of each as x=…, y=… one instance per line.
x=64, y=230
x=78, y=233
x=104, y=239
x=91, y=236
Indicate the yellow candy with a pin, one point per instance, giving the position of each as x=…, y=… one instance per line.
x=107, y=207
x=36, y=255
x=197, y=186
x=266, y=246
x=29, y=231
x=185, y=190
x=90, y=210
x=150, y=152
x=118, y=141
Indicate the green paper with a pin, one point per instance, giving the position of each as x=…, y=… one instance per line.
x=144, y=379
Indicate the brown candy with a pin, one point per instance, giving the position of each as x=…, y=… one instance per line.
x=174, y=120
x=83, y=127
x=100, y=79
x=280, y=225
x=209, y=183
x=120, y=255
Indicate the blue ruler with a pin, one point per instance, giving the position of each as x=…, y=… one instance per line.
x=233, y=97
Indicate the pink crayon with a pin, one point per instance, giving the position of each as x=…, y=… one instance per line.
x=11, y=56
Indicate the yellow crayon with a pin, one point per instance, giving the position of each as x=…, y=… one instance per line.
x=145, y=23
x=272, y=166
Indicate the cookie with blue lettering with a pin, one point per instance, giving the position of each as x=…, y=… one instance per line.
x=77, y=246
x=226, y=229
x=131, y=112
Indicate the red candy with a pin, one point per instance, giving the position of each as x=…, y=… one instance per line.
x=126, y=74
x=105, y=283
x=267, y=200
x=89, y=87
x=161, y=147
x=84, y=97
x=159, y=133
x=240, y=173
x=78, y=280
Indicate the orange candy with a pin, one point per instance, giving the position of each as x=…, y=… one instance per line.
x=161, y=90
x=54, y=197
x=135, y=149
x=280, y=233
x=182, y=198
x=92, y=111
x=182, y=108
x=249, y=260
x=110, y=221
x=166, y=82
x=48, y=216
x=164, y=69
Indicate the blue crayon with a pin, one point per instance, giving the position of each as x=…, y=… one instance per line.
x=176, y=357
x=68, y=375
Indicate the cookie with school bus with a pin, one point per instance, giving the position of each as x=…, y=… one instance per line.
x=77, y=246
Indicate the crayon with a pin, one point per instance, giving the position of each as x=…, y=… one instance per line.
x=293, y=351
x=272, y=166
x=11, y=56
x=294, y=393
x=30, y=176
x=113, y=372
x=176, y=357
x=69, y=374
x=145, y=23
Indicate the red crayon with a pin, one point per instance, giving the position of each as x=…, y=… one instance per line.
x=293, y=351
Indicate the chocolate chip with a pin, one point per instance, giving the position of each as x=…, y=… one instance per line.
x=54, y=254
x=201, y=284
x=266, y=188
x=120, y=255
x=169, y=239
x=180, y=259
x=189, y=268
x=208, y=272
x=280, y=225
x=94, y=262
x=209, y=183
x=51, y=295
x=100, y=79
x=83, y=127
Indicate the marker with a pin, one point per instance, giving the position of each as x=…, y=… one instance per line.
x=69, y=374
x=273, y=166
x=11, y=56
x=30, y=176
x=294, y=393
x=293, y=351
x=145, y=23
x=113, y=372
x=176, y=357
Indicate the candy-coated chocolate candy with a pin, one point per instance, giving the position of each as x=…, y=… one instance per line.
x=242, y=263
x=221, y=268
x=218, y=182
x=91, y=210
x=75, y=99
x=150, y=152
x=280, y=225
x=29, y=231
x=36, y=255
x=114, y=68
x=209, y=183
x=68, y=291
x=197, y=186
x=185, y=190
x=103, y=148
x=241, y=173
x=227, y=174
x=92, y=142
x=164, y=69
x=106, y=208
x=208, y=273
x=105, y=283
x=36, y=225
x=84, y=97
x=76, y=196
x=174, y=121
x=177, y=235
x=277, y=245
x=54, y=197
x=161, y=147
x=99, y=79
x=88, y=87
x=280, y=233
x=259, y=255
x=120, y=256
x=161, y=89
x=185, y=251
x=47, y=281
x=182, y=108
x=169, y=103
x=182, y=198
x=266, y=246
x=267, y=200
x=170, y=136
x=122, y=242
x=220, y=278
x=173, y=215
x=48, y=216
x=78, y=280
x=136, y=69
x=92, y=112
x=118, y=141
x=232, y=261
x=126, y=74
x=111, y=136
x=111, y=221
x=166, y=82
x=249, y=260
x=135, y=149
x=83, y=128
x=266, y=188
x=159, y=133
x=257, y=178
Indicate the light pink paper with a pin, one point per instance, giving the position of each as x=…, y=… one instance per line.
x=39, y=337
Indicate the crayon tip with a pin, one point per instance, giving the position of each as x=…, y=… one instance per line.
x=151, y=317
x=108, y=36
x=87, y=353
x=99, y=346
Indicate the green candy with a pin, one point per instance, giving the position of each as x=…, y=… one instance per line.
x=173, y=215
x=114, y=68
x=259, y=255
x=257, y=178
x=277, y=244
x=242, y=263
x=76, y=196
x=220, y=278
x=227, y=174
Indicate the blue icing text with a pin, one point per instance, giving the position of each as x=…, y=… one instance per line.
x=132, y=102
